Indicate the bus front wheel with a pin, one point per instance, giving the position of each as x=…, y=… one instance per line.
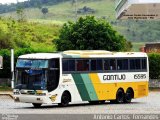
x=65, y=99
x=36, y=105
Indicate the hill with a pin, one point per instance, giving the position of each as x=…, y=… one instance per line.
x=19, y=35
x=133, y=30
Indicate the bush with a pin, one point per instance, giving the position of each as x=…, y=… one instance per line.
x=154, y=65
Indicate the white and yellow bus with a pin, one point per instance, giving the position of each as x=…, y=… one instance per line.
x=76, y=76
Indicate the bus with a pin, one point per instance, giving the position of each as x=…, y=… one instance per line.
x=94, y=76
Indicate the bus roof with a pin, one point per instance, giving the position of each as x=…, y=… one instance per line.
x=82, y=54
x=100, y=54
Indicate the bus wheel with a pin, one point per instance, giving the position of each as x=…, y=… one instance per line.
x=120, y=96
x=66, y=98
x=128, y=96
x=36, y=105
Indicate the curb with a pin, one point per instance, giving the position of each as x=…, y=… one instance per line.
x=7, y=95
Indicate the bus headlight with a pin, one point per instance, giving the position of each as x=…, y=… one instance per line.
x=40, y=93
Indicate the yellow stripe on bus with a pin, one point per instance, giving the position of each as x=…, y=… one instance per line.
x=107, y=91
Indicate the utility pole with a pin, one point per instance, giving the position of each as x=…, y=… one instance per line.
x=12, y=68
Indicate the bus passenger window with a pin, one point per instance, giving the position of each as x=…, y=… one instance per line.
x=65, y=65
x=122, y=64
x=144, y=64
x=99, y=65
x=106, y=65
x=82, y=65
x=71, y=65
x=112, y=64
x=93, y=65
x=135, y=64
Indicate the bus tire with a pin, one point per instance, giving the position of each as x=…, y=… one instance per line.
x=120, y=96
x=36, y=105
x=65, y=99
x=128, y=96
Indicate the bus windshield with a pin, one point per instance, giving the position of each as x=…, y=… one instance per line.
x=31, y=79
x=37, y=74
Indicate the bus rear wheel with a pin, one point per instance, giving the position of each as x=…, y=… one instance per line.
x=128, y=96
x=36, y=105
x=66, y=98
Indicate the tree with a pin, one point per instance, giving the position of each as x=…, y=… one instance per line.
x=44, y=10
x=154, y=67
x=90, y=34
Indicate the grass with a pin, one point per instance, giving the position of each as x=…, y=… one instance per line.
x=5, y=88
x=66, y=12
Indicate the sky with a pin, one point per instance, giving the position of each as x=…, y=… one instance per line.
x=10, y=1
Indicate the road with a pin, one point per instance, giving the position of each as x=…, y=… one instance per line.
x=146, y=105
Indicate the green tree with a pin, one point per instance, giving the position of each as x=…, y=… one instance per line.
x=90, y=34
x=44, y=10
x=154, y=67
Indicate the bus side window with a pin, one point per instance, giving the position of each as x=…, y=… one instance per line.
x=135, y=64
x=107, y=65
x=82, y=65
x=93, y=65
x=122, y=64
x=112, y=64
x=65, y=65
x=144, y=64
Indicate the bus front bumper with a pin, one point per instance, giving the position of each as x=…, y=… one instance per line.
x=34, y=99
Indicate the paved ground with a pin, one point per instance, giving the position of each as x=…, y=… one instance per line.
x=150, y=104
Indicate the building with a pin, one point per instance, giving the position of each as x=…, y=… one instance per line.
x=138, y=9
x=151, y=48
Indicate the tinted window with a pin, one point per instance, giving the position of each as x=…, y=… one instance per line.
x=68, y=65
x=144, y=64
x=93, y=65
x=96, y=65
x=71, y=65
x=82, y=65
x=99, y=65
x=110, y=64
x=135, y=64
x=122, y=64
